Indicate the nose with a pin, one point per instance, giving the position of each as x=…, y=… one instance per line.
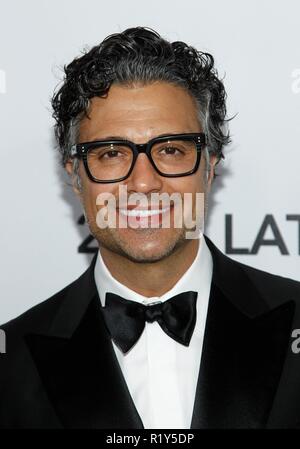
x=144, y=178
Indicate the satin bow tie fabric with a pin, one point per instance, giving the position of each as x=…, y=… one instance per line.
x=125, y=319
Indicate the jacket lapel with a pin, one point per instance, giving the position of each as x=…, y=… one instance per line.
x=77, y=364
x=244, y=349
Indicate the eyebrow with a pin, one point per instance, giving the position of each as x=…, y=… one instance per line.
x=111, y=138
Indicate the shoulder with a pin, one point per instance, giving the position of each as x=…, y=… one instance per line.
x=48, y=318
x=274, y=288
x=270, y=280
x=67, y=303
x=16, y=357
x=39, y=316
x=237, y=278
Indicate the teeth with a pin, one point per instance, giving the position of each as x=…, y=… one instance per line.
x=142, y=213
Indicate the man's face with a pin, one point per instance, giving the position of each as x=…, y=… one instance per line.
x=139, y=114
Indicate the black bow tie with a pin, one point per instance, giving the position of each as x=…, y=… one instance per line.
x=125, y=319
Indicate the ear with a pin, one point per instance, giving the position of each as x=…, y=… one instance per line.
x=213, y=159
x=69, y=169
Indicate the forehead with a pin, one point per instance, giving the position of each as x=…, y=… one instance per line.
x=143, y=111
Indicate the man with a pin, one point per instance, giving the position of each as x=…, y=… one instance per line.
x=162, y=330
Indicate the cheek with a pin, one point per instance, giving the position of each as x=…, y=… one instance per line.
x=193, y=183
x=91, y=191
x=189, y=184
x=94, y=193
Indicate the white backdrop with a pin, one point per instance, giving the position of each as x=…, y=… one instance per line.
x=255, y=44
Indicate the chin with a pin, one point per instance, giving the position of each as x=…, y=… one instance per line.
x=153, y=251
x=145, y=256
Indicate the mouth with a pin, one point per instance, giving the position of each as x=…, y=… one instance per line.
x=143, y=212
x=135, y=217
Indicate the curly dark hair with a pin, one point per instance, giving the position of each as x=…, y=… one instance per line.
x=140, y=55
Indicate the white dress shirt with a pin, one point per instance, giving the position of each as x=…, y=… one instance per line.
x=160, y=373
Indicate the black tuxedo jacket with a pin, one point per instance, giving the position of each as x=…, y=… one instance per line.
x=60, y=369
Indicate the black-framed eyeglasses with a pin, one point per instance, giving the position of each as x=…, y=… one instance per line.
x=171, y=156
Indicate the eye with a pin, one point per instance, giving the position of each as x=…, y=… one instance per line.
x=170, y=151
x=110, y=154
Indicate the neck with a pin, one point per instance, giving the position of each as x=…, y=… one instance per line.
x=151, y=279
